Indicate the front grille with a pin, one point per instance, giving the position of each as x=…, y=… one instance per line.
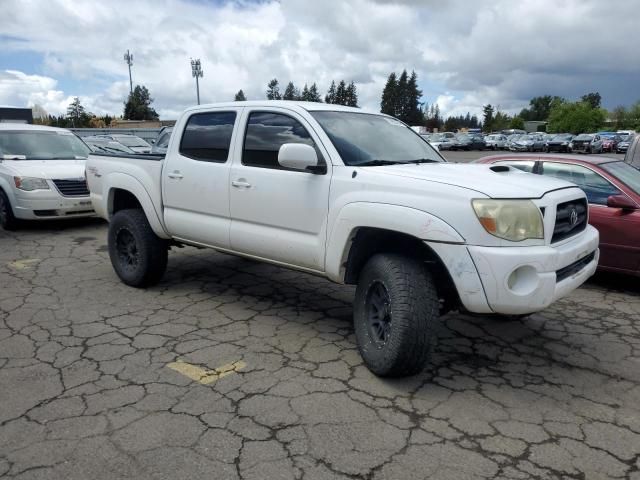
x=72, y=188
x=575, y=267
x=569, y=223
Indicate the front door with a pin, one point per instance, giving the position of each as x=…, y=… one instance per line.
x=196, y=178
x=278, y=214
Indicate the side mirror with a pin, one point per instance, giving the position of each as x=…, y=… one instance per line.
x=299, y=156
x=621, y=201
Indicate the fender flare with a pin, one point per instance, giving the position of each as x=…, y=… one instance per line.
x=9, y=190
x=407, y=220
x=122, y=181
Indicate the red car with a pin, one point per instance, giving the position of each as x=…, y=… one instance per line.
x=613, y=191
x=610, y=143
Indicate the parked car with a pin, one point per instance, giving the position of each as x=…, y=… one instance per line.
x=623, y=144
x=41, y=174
x=610, y=143
x=613, y=191
x=137, y=144
x=354, y=197
x=632, y=157
x=559, y=143
x=527, y=143
x=105, y=145
x=496, y=141
x=466, y=141
x=161, y=143
x=586, y=143
x=439, y=141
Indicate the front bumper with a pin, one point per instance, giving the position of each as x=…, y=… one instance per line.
x=49, y=204
x=519, y=280
x=519, y=148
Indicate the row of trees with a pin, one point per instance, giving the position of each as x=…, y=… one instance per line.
x=340, y=94
x=137, y=107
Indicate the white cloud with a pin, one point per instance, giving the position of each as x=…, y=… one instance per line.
x=494, y=51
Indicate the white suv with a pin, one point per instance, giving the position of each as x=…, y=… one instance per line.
x=41, y=174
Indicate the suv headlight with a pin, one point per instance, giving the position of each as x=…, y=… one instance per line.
x=30, y=183
x=513, y=220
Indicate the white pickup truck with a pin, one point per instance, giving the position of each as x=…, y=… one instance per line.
x=357, y=198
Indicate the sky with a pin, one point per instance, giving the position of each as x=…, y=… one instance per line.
x=466, y=53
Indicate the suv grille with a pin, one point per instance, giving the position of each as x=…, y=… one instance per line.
x=72, y=188
x=571, y=218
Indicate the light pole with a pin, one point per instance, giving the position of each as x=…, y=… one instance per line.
x=196, y=72
x=128, y=57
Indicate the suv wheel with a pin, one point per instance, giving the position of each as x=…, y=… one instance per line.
x=395, y=312
x=8, y=221
x=137, y=254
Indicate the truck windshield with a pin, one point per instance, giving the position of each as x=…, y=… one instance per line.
x=363, y=138
x=41, y=145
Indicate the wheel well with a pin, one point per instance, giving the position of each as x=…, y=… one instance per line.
x=369, y=241
x=122, y=199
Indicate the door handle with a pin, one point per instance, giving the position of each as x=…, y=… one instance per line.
x=176, y=175
x=240, y=184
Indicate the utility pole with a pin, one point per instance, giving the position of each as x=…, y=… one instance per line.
x=128, y=57
x=196, y=72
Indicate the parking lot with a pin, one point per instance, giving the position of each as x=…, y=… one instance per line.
x=234, y=369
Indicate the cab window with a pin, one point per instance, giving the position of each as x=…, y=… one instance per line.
x=266, y=133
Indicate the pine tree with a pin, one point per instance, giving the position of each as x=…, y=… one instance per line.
x=402, y=103
x=314, y=95
x=351, y=99
x=341, y=93
x=240, y=96
x=290, y=92
x=138, y=106
x=273, y=90
x=77, y=115
x=305, y=94
x=389, y=96
x=413, y=115
x=330, y=97
x=487, y=117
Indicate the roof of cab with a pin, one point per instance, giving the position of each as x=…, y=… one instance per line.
x=309, y=106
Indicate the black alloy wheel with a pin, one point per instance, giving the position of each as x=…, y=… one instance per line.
x=379, y=315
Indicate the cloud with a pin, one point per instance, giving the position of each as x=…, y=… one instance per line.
x=494, y=51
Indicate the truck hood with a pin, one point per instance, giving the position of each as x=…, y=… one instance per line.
x=49, y=169
x=512, y=183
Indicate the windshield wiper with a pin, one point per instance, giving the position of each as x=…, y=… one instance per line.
x=422, y=160
x=376, y=163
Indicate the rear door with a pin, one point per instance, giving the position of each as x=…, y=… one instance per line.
x=196, y=177
x=278, y=214
x=618, y=249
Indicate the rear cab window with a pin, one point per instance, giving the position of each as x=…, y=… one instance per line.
x=207, y=136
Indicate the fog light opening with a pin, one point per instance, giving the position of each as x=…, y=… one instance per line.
x=523, y=280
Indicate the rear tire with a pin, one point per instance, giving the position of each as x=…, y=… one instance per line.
x=137, y=254
x=8, y=221
x=395, y=313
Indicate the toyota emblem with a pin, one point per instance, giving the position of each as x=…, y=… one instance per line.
x=573, y=218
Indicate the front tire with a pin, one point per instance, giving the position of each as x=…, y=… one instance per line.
x=395, y=312
x=137, y=254
x=8, y=221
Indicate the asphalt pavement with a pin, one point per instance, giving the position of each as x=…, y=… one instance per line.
x=231, y=369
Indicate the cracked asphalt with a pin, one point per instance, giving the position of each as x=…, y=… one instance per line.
x=86, y=391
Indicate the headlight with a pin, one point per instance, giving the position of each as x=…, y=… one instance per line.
x=513, y=220
x=30, y=183
x=571, y=145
